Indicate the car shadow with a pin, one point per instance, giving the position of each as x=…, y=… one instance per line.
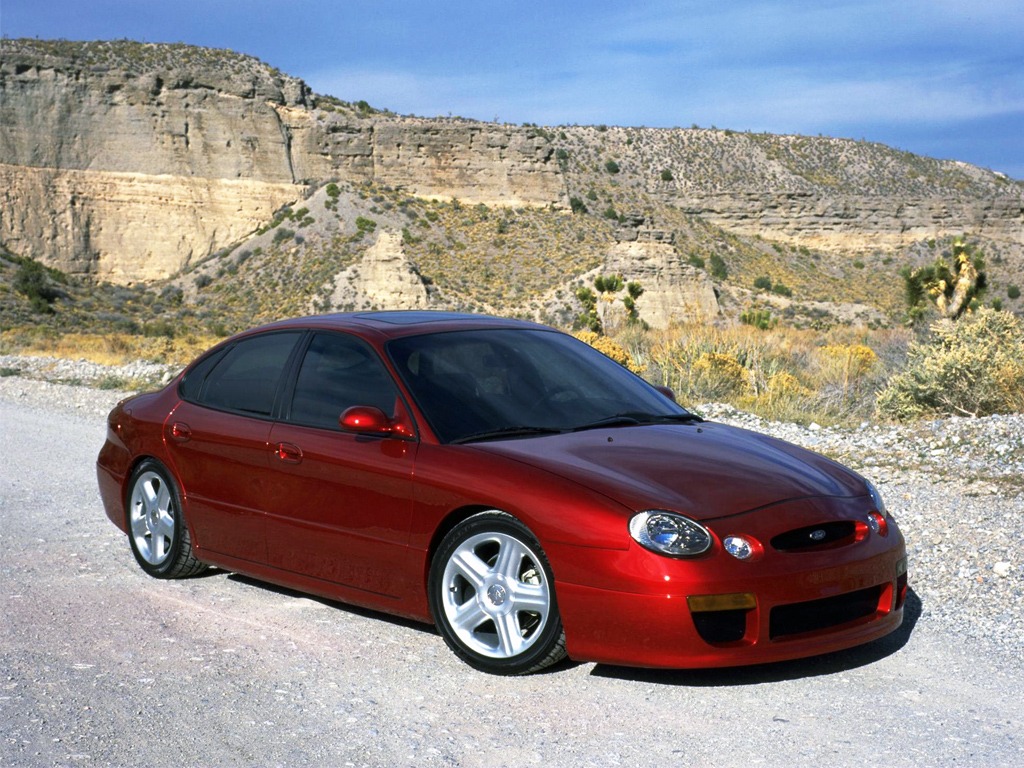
x=816, y=666
x=368, y=613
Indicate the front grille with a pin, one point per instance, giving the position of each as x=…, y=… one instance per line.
x=823, y=535
x=797, y=618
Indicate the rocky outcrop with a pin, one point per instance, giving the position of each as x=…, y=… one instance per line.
x=383, y=279
x=674, y=291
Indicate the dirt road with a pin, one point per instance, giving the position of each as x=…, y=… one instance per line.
x=101, y=665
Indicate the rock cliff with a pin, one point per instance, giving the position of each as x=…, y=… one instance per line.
x=133, y=162
x=130, y=161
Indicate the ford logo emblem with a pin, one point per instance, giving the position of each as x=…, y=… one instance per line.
x=818, y=535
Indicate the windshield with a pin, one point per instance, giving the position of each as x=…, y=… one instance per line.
x=486, y=384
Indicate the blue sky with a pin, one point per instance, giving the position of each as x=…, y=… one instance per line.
x=943, y=78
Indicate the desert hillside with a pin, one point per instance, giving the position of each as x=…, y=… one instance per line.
x=203, y=188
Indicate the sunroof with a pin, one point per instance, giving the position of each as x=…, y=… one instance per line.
x=413, y=316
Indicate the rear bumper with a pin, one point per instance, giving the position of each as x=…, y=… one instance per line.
x=111, y=487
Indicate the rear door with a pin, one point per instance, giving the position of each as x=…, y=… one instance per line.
x=218, y=439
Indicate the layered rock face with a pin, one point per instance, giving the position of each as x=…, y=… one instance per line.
x=130, y=161
x=855, y=223
x=129, y=177
x=129, y=172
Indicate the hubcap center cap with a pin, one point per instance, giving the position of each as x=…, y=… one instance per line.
x=497, y=594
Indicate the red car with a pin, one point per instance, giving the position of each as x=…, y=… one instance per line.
x=528, y=495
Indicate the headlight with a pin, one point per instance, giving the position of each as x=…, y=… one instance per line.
x=669, y=534
x=876, y=498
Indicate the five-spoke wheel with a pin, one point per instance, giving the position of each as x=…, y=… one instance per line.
x=492, y=595
x=157, y=532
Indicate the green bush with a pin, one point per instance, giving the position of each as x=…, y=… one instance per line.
x=1013, y=292
x=718, y=268
x=763, y=283
x=612, y=167
x=973, y=367
x=32, y=281
x=283, y=234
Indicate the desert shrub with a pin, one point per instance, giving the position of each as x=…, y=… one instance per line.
x=718, y=268
x=32, y=281
x=719, y=374
x=577, y=205
x=283, y=234
x=971, y=367
x=610, y=348
x=666, y=175
x=759, y=318
x=778, y=373
x=612, y=167
x=1013, y=292
x=763, y=283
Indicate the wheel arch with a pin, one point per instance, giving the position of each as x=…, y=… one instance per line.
x=452, y=519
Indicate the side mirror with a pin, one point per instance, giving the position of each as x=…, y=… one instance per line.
x=366, y=420
x=667, y=393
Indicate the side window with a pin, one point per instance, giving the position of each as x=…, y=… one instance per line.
x=337, y=372
x=247, y=376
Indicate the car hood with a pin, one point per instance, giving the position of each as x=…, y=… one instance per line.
x=704, y=470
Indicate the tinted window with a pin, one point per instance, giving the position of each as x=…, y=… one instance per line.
x=469, y=382
x=338, y=372
x=192, y=384
x=247, y=376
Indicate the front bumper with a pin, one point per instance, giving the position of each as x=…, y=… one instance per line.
x=636, y=608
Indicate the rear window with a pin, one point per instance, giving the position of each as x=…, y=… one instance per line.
x=245, y=377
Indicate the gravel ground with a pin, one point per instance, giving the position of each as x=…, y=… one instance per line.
x=100, y=665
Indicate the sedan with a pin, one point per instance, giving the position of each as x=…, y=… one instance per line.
x=510, y=484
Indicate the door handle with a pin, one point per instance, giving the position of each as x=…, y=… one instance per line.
x=288, y=453
x=181, y=432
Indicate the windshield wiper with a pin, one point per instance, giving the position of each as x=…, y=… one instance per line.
x=509, y=432
x=634, y=418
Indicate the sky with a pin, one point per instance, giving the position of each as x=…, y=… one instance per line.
x=942, y=78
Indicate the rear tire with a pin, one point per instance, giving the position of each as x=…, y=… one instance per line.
x=492, y=594
x=157, y=531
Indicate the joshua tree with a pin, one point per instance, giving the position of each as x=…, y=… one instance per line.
x=951, y=288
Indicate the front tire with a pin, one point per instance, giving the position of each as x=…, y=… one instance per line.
x=492, y=594
x=157, y=531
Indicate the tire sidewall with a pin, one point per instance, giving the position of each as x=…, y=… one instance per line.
x=493, y=522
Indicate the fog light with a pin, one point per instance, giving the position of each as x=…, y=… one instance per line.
x=878, y=524
x=738, y=547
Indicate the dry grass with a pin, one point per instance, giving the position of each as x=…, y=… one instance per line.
x=783, y=373
x=104, y=349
